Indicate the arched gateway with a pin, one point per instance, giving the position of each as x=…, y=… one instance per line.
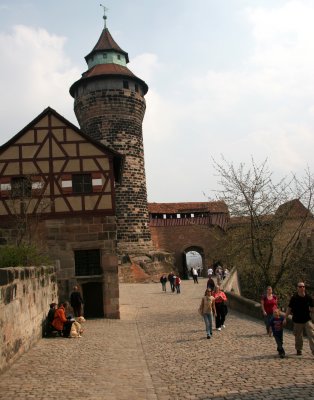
x=182, y=227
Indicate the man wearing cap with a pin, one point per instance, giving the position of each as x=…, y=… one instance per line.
x=301, y=306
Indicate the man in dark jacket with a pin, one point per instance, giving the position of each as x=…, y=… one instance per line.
x=301, y=306
x=76, y=302
x=171, y=280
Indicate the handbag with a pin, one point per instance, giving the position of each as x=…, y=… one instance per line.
x=200, y=309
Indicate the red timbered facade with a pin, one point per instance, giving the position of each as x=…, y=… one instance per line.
x=53, y=162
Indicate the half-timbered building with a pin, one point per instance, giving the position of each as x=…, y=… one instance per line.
x=57, y=188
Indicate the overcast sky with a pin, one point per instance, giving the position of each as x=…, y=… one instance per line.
x=231, y=77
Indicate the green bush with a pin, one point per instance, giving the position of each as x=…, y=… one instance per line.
x=23, y=256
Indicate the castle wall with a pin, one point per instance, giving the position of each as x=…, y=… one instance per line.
x=25, y=295
x=176, y=239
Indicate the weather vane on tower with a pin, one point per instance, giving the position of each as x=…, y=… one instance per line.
x=105, y=16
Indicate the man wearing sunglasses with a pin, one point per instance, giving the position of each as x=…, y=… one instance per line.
x=301, y=306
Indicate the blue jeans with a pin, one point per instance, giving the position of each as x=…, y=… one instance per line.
x=267, y=319
x=279, y=341
x=208, y=324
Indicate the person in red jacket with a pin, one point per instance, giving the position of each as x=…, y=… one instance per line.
x=177, y=284
x=220, y=300
x=60, y=322
x=269, y=303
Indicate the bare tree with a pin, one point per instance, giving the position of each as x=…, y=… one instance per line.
x=26, y=205
x=274, y=215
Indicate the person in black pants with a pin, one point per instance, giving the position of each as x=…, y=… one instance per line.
x=171, y=281
x=76, y=302
x=220, y=301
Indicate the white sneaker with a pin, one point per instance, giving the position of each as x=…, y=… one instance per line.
x=224, y=326
x=218, y=329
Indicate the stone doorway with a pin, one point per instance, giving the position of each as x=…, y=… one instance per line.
x=93, y=300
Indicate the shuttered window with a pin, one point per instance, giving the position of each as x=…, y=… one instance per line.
x=87, y=262
x=82, y=183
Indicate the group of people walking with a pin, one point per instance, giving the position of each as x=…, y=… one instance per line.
x=301, y=306
x=213, y=304
x=174, y=281
x=213, y=308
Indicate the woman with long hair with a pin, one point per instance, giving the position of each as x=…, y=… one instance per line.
x=208, y=309
x=269, y=303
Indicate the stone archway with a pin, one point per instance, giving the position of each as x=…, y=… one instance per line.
x=193, y=256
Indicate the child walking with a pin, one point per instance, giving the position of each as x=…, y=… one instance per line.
x=178, y=284
x=276, y=324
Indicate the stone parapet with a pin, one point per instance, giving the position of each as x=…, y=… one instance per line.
x=25, y=295
x=249, y=307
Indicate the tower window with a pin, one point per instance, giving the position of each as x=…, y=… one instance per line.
x=119, y=57
x=104, y=55
x=82, y=183
x=125, y=85
x=136, y=88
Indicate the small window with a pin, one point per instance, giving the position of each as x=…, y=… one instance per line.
x=21, y=187
x=125, y=85
x=119, y=57
x=82, y=183
x=136, y=88
x=87, y=262
x=104, y=55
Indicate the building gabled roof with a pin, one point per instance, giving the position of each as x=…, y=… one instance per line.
x=193, y=207
x=118, y=159
x=293, y=209
x=106, y=43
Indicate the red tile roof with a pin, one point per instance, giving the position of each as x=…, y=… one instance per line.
x=108, y=69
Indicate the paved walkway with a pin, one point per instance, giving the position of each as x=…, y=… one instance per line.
x=158, y=350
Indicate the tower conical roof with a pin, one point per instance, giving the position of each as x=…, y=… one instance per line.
x=106, y=43
x=107, y=59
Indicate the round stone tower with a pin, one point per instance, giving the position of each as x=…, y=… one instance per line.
x=109, y=105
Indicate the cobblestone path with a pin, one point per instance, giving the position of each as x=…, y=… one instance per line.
x=158, y=350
